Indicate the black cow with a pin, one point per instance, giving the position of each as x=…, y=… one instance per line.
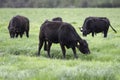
x=57, y=19
x=96, y=25
x=18, y=25
x=63, y=33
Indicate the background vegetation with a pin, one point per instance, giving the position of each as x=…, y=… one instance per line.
x=18, y=60
x=59, y=3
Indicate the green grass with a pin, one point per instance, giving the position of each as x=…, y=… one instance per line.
x=18, y=60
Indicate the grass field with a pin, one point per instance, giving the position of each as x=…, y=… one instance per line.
x=18, y=60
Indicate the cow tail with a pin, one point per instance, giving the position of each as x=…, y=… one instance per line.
x=113, y=29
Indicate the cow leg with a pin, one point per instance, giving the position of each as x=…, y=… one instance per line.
x=21, y=35
x=92, y=34
x=48, y=48
x=63, y=50
x=45, y=46
x=74, y=51
x=16, y=35
x=40, y=46
x=105, y=34
x=27, y=34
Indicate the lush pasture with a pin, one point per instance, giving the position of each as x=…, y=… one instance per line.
x=18, y=60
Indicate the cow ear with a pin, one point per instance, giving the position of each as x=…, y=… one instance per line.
x=78, y=43
x=81, y=29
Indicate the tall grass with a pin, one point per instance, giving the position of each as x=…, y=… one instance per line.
x=18, y=60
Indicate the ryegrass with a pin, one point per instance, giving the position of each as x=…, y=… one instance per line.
x=35, y=68
x=18, y=60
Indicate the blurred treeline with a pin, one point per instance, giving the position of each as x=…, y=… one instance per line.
x=59, y=3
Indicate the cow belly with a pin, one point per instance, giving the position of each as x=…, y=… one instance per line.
x=52, y=39
x=69, y=44
x=97, y=30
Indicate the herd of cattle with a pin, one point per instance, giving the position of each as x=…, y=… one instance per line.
x=57, y=31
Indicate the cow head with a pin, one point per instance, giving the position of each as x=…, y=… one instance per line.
x=84, y=31
x=11, y=31
x=83, y=47
x=86, y=28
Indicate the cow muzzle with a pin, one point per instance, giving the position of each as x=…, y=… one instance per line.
x=84, y=34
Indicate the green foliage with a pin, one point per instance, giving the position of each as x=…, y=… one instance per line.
x=18, y=60
x=59, y=3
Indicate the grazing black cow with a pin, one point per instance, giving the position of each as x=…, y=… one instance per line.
x=63, y=33
x=18, y=25
x=96, y=25
x=57, y=19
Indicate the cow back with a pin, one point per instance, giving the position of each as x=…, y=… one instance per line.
x=49, y=30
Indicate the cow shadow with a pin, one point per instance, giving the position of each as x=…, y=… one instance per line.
x=57, y=54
